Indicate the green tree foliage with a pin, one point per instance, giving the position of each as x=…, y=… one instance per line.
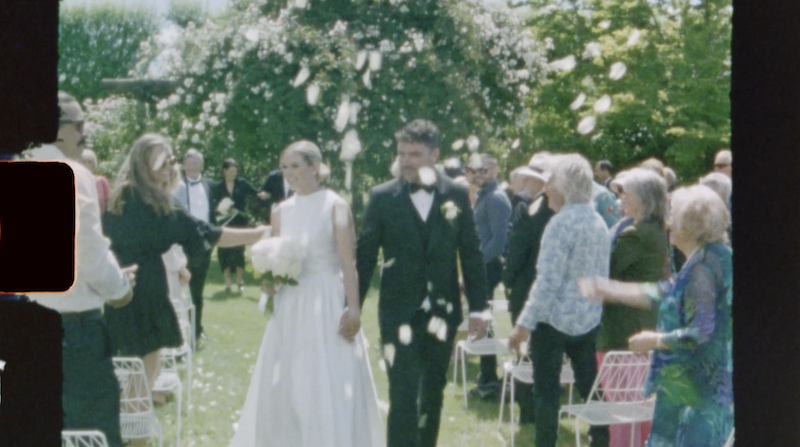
x=101, y=41
x=672, y=101
x=249, y=79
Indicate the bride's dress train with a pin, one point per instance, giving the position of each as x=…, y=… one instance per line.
x=310, y=387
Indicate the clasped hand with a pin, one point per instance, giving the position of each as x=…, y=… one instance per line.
x=350, y=324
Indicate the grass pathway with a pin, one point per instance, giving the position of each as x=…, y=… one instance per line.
x=222, y=370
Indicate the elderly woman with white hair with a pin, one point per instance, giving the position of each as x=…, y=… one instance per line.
x=691, y=371
x=575, y=244
x=722, y=185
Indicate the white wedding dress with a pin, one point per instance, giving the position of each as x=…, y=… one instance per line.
x=310, y=387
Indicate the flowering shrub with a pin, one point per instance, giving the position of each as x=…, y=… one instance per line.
x=111, y=128
x=261, y=77
x=99, y=42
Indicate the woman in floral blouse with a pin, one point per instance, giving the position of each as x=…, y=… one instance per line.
x=691, y=371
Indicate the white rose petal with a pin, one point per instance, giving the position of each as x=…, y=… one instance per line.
x=634, y=39
x=473, y=143
x=383, y=405
x=354, y=109
x=159, y=161
x=312, y=93
x=603, y=104
x=343, y=114
x=388, y=353
x=375, y=60
x=404, y=334
x=564, y=64
x=389, y=263
x=426, y=305
x=578, y=102
x=451, y=214
x=587, y=125
x=361, y=59
x=449, y=308
x=302, y=76
x=427, y=176
x=592, y=50
x=435, y=324
x=457, y=145
x=382, y=365
x=351, y=146
x=367, y=80
x=515, y=144
x=441, y=333
x=618, y=70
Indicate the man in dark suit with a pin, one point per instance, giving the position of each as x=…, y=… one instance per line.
x=421, y=220
x=194, y=193
x=274, y=191
x=527, y=227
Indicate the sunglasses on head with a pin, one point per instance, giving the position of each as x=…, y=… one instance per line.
x=477, y=171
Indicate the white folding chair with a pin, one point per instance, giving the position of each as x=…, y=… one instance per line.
x=83, y=438
x=616, y=396
x=522, y=371
x=169, y=380
x=137, y=417
x=186, y=350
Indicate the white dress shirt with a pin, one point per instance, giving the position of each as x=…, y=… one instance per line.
x=423, y=201
x=98, y=277
x=198, y=199
x=286, y=189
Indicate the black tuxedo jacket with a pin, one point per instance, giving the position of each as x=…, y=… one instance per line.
x=274, y=187
x=412, y=272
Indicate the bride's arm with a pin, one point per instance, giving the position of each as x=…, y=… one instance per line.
x=345, y=234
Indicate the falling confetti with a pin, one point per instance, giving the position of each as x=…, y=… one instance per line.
x=383, y=405
x=634, y=39
x=603, y=104
x=361, y=59
x=441, y=302
x=389, y=263
x=434, y=324
x=423, y=420
x=276, y=374
x=618, y=70
x=592, y=50
x=426, y=305
x=367, y=80
x=375, y=60
x=382, y=365
x=449, y=308
x=457, y=145
x=388, y=353
x=441, y=333
x=159, y=162
x=354, y=109
x=515, y=144
x=351, y=146
x=405, y=334
x=473, y=143
x=235, y=426
x=302, y=76
x=342, y=114
x=427, y=176
x=565, y=64
x=587, y=125
x=312, y=93
x=578, y=102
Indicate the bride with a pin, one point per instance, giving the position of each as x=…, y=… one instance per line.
x=312, y=384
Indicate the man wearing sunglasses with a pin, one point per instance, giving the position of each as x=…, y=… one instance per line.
x=90, y=390
x=492, y=215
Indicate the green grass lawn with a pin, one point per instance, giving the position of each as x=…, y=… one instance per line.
x=223, y=366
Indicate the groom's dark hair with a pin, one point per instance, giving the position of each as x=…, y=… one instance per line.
x=419, y=131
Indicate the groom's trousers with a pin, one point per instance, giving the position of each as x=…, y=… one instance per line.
x=417, y=379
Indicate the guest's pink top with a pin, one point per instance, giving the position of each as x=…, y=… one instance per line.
x=103, y=190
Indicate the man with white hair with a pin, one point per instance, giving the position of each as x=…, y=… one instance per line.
x=558, y=320
x=194, y=193
x=723, y=162
x=722, y=185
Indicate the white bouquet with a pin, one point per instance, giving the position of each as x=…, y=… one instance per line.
x=225, y=209
x=280, y=259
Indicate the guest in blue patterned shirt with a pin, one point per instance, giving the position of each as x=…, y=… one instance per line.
x=557, y=319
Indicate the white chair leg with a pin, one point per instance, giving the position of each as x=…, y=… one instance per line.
x=577, y=432
x=511, y=412
x=189, y=367
x=464, y=376
x=503, y=399
x=455, y=365
x=178, y=431
x=570, y=393
x=633, y=432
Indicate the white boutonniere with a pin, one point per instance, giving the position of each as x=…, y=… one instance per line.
x=450, y=210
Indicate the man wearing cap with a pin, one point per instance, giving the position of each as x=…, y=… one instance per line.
x=492, y=215
x=519, y=271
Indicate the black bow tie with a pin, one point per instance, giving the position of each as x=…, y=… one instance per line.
x=414, y=187
x=194, y=182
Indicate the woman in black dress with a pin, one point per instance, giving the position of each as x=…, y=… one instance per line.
x=239, y=191
x=142, y=221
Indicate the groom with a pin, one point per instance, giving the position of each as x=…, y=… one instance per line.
x=421, y=228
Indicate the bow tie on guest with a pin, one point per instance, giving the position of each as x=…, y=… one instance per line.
x=194, y=182
x=414, y=187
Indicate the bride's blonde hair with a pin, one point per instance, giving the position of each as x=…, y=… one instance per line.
x=311, y=154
